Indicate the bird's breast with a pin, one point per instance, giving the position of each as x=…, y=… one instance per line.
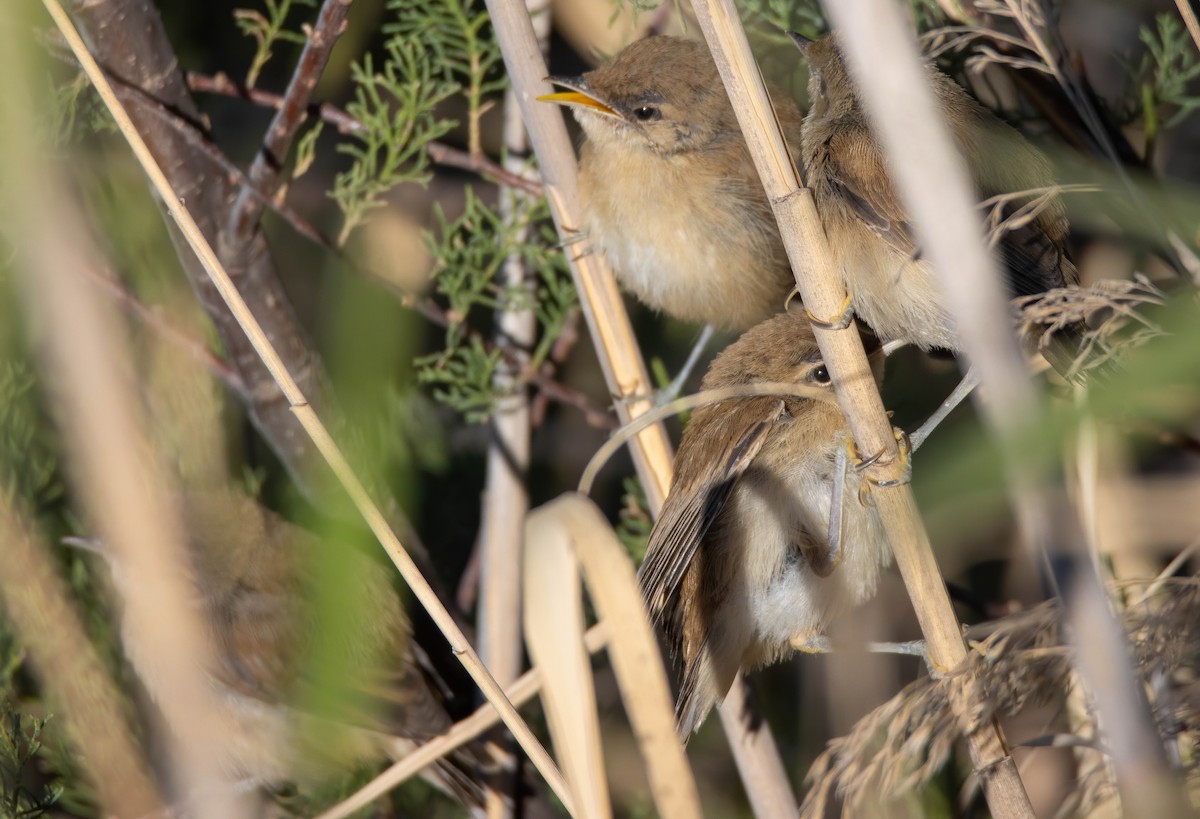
x=689, y=234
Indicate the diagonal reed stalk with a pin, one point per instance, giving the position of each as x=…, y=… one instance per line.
x=823, y=294
x=309, y=420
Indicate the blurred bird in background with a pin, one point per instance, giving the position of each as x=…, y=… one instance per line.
x=253, y=576
x=892, y=287
x=766, y=534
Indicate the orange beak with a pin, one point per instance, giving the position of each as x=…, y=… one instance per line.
x=578, y=95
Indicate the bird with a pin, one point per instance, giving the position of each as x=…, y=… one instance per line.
x=668, y=189
x=743, y=566
x=253, y=577
x=892, y=287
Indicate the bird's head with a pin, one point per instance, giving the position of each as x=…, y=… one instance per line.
x=661, y=94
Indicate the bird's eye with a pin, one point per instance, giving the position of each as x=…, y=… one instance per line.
x=646, y=113
x=820, y=375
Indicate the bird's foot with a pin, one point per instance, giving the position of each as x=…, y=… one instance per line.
x=901, y=467
x=810, y=643
x=838, y=322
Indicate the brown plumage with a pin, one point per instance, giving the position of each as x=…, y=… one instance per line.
x=669, y=191
x=739, y=570
x=893, y=288
x=254, y=580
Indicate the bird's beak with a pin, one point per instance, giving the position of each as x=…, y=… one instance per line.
x=577, y=95
x=800, y=40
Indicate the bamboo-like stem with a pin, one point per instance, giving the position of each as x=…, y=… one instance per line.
x=506, y=495
x=612, y=336
x=308, y=417
x=819, y=286
x=919, y=149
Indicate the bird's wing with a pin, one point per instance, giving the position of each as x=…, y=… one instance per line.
x=696, y=500
x=856, y=169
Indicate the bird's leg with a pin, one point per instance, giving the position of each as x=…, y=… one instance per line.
x=837, y=507
x=670, y=392
x=969, y=382
x=810, y=643
x=839, y=322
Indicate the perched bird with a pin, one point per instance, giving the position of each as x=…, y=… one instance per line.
x=743, y=565
x=254, y=580
x=892, y=287
x=669, y=191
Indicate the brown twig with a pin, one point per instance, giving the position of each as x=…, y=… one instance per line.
x=439, y=152
x=153, y=319
x=290, y=115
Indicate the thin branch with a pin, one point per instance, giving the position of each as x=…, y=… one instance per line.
x=298, y=404
x=290, y=115
x=153, y=319
x=439, y=152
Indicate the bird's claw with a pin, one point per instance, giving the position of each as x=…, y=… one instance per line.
x=903, y=464
x=839, y=322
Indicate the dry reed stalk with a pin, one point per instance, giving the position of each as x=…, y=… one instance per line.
x=819, y=287
x=1189, y=19
x=574, y=531
x=72, y=675
x=308, y=418
x=919, y=149
x=519, y=693
x=506, y=495
x=554, y=627
x=612, y=336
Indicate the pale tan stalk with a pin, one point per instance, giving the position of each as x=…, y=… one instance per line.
x=72, y=675
x=506, y=494
x=1189, y=20
x=572, y=532
x=823, y=294
x=308, y=418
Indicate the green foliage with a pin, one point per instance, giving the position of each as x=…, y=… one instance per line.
x=469, y=252
x=635, y=522
x=267, y=30
x=1161, y=79
x=434, y=51
x=457, y=35
x=397, y=109
x=28, y=460
x=20, y=743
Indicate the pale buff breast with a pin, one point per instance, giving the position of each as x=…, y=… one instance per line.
x=776, y=597
x=683, y=242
